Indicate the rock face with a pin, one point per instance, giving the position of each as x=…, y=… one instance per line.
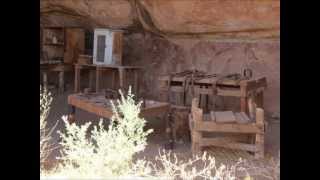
x=242, y=18
x=160, y=56
x=175, y=35
x=93, y=13
x=233, y=18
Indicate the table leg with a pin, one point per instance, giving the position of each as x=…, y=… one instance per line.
x=71, y=116
x=169, y=130
x=90, y=79
x=61, y=81
x=45, y=81
x=98, y=73
x=77, y=74
x=113, y=79
x=122, y=79
x=136, y=82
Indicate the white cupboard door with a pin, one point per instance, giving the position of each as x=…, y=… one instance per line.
x=109, y=47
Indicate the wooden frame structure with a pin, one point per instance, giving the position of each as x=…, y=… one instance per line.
x=64, y=42
x=97, y=104
x=224, y=87
x=218, y=122
x=98, y=69
x=60, y=68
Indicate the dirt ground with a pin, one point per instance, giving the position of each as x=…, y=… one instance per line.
x=156, y=140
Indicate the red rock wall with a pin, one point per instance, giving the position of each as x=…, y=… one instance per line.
x=174, y=35
x=161, y=56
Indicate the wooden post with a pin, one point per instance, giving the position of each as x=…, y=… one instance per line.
x=90, y=78
x=122, y=78
x=61, y=81
x=169, y=129
x=98, y=73
x=243, y=98
x=251, y=107
x=260, y=136
x=197, y=115
x=71, y=116
x=260, y=99
x=77, y=74
x=136, y=82
x=113, y=79
x=45, y=81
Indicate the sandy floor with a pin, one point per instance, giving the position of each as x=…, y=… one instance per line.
x=157, y=139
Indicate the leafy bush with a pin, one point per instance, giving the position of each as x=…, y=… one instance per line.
x=106, y=153
x=109, y=153
x=45, y=134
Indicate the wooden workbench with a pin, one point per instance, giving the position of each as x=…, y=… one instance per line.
x=97, y=104
x=224, y=87
x=98, y=69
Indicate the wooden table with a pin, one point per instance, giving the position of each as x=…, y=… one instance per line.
x=59, y=67
x=224, y=87
x=121, y=70
x=97, y=104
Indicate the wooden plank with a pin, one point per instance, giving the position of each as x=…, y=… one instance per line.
x=222, y=142
x=220, y=92
x=260, y=116
x=213, y=116
x=208, y=81
x=224, y=117
x=61, y=81
x=228, y=92
x=260, y=135
x=231, y=128
x=251, y=107
x=242, y=118
x=117, y=48
x=61, y=67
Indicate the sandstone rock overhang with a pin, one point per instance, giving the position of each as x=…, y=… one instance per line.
x=254, y=19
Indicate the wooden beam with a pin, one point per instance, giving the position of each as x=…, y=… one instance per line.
x=227, y=143
x=232, y=128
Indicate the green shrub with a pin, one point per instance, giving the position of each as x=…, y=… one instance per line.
x=109, y=153
x=106, y=153
x=45, y=134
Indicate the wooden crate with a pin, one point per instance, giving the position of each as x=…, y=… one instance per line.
x=226, y=122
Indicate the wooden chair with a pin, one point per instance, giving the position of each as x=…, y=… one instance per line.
x=228, y=122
